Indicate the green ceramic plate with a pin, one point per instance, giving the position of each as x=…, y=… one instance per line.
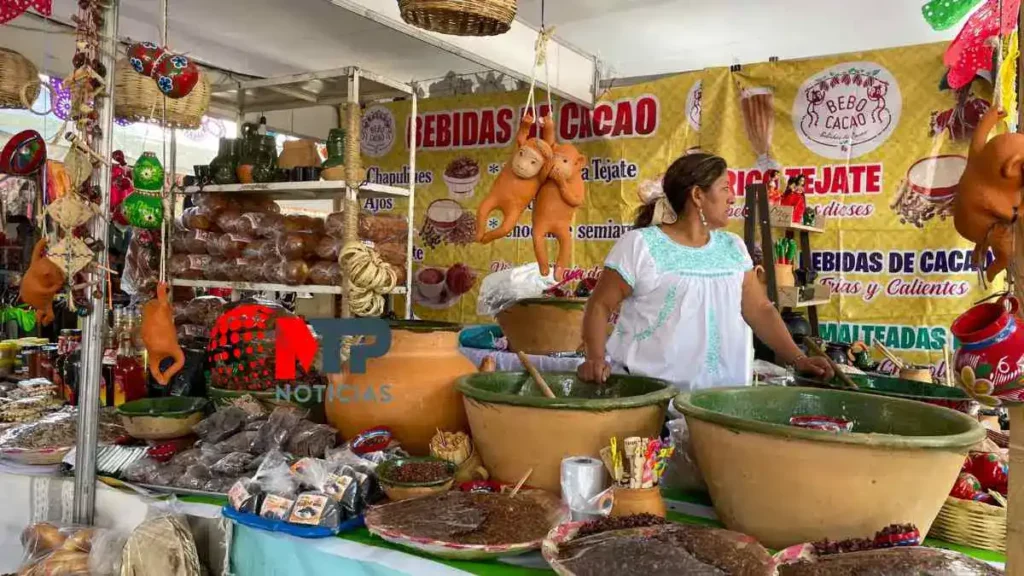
x=571, y=393
x=878, y=421
x=167, y=407
x=386, y=467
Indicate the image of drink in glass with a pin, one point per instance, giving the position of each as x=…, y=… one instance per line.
x=758, y=106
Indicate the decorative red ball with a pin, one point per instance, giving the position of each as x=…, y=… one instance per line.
x=991, y=470
x=143, y=57
x=175, y=75
x=967, y=487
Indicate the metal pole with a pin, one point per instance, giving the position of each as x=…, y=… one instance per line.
x=92, y=333
x=411, y=207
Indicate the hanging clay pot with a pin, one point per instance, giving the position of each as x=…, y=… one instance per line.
x=224, y=167
x=24, y=154
x=175, y=75
x=298, y=153
x=120, y=188
x=334, y=165
x=143, y=210
x=143, y=56
x=411, y=389
x=148, y=173
x=991, y=350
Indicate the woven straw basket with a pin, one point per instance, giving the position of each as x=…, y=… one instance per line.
x=137, y=98
x=460, y=17
x=971, y=523
x=15, y=72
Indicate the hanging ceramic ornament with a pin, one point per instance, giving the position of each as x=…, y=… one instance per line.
x=71, y=255
x=24, y=154
x=143, y=56
x=11, y=9
x=143, y=209
x=944, y=14
x=175, y=75
x=71, y=210
x=120, y=188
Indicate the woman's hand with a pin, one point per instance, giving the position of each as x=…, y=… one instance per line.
x=594, y=370
x=814, y=366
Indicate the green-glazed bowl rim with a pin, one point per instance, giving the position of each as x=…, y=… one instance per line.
x=664, y=395
x=954, y=394
x=179, y=407
x=424, y=326
x=573, y=303
x=384, y=467
x=963, y=440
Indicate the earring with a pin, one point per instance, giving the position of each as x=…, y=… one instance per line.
x=703, y=220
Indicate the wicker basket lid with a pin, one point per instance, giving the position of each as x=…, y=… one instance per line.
x=460, y=17
x=16, y=72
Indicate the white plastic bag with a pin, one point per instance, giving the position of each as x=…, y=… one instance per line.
x=504, y=288
x=682, y=472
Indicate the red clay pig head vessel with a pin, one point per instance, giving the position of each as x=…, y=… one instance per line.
x=40, y=284
x=989, y=197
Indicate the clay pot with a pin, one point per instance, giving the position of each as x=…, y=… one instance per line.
x=785, y=485
x=838, y=352
x=991, y=350
x=224, y=168
x=544, y=326
x=411, y=389
x=298, y=153
x=630, y=501
x=797, y=326
x=917, y=374
x=784, y=277
x=515, y=428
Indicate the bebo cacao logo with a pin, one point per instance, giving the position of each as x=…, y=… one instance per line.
x=693, y=102
x=848, y=110
x=378, y=131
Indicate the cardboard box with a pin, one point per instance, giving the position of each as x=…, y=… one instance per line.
x=803, y=296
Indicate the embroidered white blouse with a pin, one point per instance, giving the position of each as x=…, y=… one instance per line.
x=682, y=322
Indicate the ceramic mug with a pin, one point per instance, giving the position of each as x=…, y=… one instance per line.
x=431, y=283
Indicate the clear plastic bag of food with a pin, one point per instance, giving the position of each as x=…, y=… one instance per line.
x=189, y=266
x=250, y=223
x=231, y=244
x=221, y=425
x=297, y=245
x=187, y=457
x=311, y=440
x=141, y=265
x=205, y=310
x=52, y=549
x=233, y=465
x=329, y=248
x=199, y=218
x=325, y=274
x=162, y=544
x=372, y=227
x=195, y=477
x=212, y=202
x=315, y=508
x=275, y=433
x=227, y=219
x=167, y=475
x=502, y=289
x=142, y=471
x=392, y=252
x=245, y=495
x=681, y=472
x=196, y=241
x=239, y=442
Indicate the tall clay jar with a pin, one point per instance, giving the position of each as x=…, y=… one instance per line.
x=410, y=389
x=264, y=168
x=334, y=165
x=223, y=168
x=298, y=153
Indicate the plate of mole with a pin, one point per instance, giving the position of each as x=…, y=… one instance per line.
x=468, y=526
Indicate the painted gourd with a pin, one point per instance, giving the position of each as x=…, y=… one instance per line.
x=143, y=56
x=143, y=210
x=175, y=75
x=148, y=173
x=24, y=154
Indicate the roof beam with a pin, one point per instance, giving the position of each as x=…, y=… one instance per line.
x=572, y=73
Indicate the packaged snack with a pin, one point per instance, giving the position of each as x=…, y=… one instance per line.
x=271, y=225
x=297, y=245
x=373, y=227
x=274, y=434
x=231, y=244
x=233, y=464
x=276, y=507
x=250, y=223
x=315, y=509
x=199, y=218
x=325, y=274
x=195, y=241
x=252, y=269
x=211, y=201
x=245, y=495
x=228, y=220
x=239, y=442
x=292, y=272
x=188, y=266
x=329, y=248
x=220, y=425
x=310, y=439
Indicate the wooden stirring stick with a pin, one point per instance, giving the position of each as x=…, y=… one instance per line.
x=843, y=376
x=949, y=366
x=537, y=378
x=520, y=483
x=888, y=354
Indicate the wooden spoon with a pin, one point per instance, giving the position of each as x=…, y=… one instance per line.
x=537, y=378
x=843, y=376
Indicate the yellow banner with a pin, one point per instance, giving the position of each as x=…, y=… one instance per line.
x=880, y=144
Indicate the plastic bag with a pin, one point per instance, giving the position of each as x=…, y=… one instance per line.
x=502, y=289
x=194, y=478
x=275, y=433
x=141, y=265
x=51, y=549
x=232, y=465
x=105, y=555
x=142, y=471
x=221, y=425
x=313, y=440
x=161, y=545
x=682, y=472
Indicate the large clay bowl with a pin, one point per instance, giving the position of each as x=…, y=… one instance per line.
x=161, y=418
x=544, y=326
x=411, y=389
x=945, y=396
x=785, y=485
x=516, y=428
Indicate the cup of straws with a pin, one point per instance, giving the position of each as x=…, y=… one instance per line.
x=636, y=465
x=785, y=259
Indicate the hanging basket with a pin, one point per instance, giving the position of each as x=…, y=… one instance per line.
x=15, y=72
x=137, y=98
x=460, y=17
x=971, y=523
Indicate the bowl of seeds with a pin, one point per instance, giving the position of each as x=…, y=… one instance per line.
x=404, y=478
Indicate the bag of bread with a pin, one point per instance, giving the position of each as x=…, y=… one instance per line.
x=302, y=223
x=372, y=227
x=252, y=269
x=392, y=252
x=228, y=220
x=199, y=218
x=270, y=226
x=212, y=201
x=230, y=244
x=325, y=274
x=296, y=245
x=50, y=549
x=250, y=223
x=195, y=242
x=328, y=248
x=293, y=272
x=188, y=266
x=258, y=203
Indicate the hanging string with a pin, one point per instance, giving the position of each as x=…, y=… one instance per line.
x=540, y=48
x=164, y=204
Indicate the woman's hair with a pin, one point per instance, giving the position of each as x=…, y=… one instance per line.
x=693, y=170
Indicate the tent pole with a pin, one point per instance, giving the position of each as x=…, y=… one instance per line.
x=92, y=333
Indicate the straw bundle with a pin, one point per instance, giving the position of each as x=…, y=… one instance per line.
x=137, y=98
x=460, y=17
x=971, y=523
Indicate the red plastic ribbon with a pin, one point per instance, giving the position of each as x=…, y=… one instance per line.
x=11, y=9
x=971, y=52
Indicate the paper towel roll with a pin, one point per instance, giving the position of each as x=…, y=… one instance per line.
x=583, y=478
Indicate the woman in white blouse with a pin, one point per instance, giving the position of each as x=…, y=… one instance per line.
x=685, y=291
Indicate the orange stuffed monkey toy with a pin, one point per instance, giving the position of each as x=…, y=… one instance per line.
x=160, y=336
x=985, y=206
x=559, y=197
x=518, y=182
x=40, y=284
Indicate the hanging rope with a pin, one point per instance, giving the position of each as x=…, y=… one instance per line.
x=540, y=49
x=164, y=203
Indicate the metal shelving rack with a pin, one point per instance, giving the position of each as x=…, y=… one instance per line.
x=334, y=87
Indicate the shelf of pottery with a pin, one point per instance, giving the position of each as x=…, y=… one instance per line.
x=232, y=233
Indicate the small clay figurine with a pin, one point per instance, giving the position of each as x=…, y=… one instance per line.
x=559, y=197
x=794, y=196
x=40, y=284
x=988, y=199
x=160, y=336
x=518, y=182
x=771, y=184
